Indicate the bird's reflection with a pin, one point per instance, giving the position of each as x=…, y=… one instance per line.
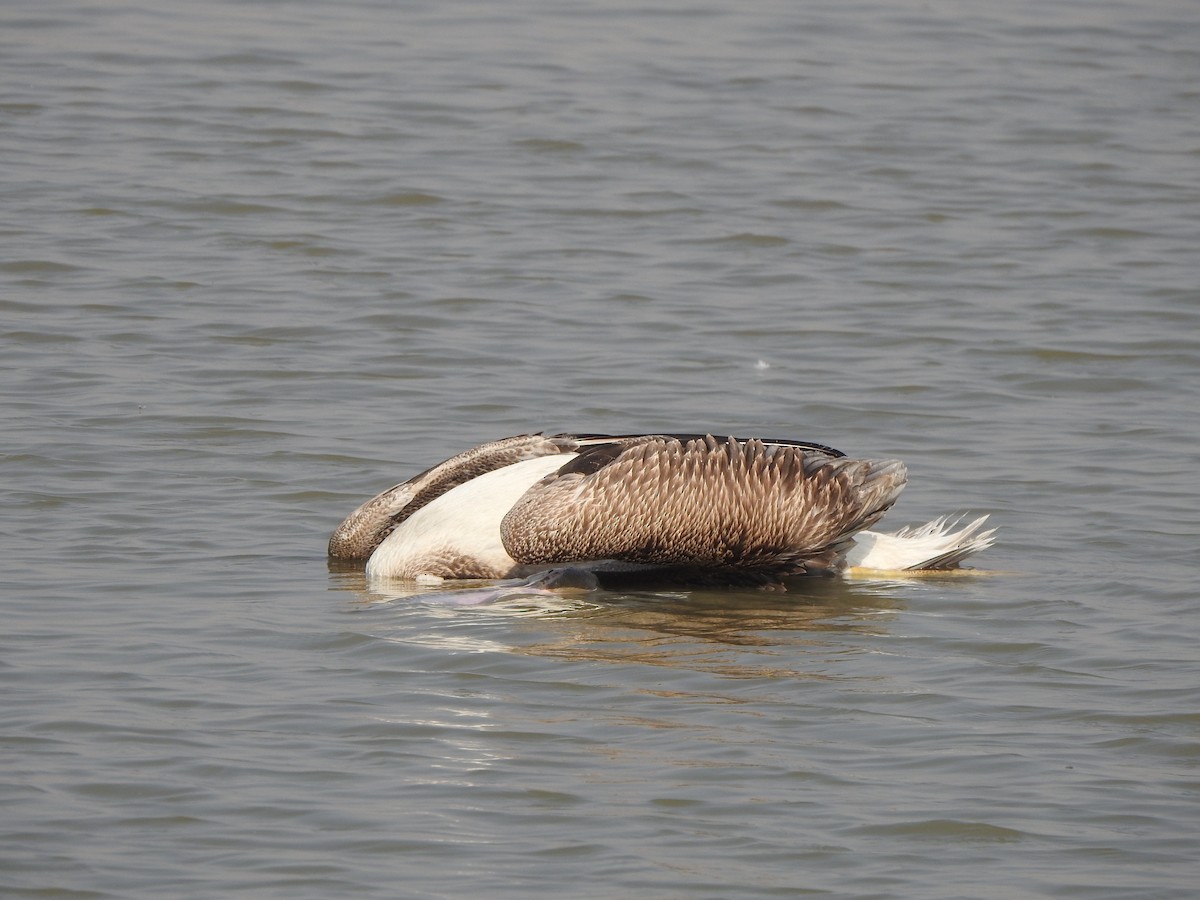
x=742, y=633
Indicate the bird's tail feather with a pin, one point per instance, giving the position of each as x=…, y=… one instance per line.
x=934, y=545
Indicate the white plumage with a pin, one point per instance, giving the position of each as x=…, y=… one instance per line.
x=930, y=546
x=462, y=525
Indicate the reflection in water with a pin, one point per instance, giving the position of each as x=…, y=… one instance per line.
x=738, y=634
x=730, y=632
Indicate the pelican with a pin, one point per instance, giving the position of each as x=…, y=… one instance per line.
x=690, y=509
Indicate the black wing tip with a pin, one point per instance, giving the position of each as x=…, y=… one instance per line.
x=686, y=437
x=599, y=450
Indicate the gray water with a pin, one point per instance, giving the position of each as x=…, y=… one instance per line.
x=261, y=260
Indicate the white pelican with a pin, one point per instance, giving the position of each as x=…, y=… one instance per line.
x=684, y=509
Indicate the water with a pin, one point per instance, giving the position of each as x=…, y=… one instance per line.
x=262, y=260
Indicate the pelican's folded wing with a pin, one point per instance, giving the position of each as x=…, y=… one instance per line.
x=701, y=502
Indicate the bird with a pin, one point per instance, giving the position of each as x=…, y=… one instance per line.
x=646, y=509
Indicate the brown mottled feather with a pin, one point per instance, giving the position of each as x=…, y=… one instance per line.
x=706, y=502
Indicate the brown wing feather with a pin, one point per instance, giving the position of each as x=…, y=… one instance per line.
x=706, y=502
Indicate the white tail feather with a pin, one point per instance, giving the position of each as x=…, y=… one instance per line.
x=930, y=546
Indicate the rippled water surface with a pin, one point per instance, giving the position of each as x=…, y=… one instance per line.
x=259, y=261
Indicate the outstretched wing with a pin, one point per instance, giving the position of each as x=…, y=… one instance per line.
x=702, y=502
